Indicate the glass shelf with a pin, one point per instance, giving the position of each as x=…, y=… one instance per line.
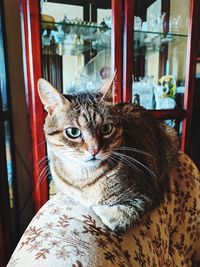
x=86, y=36
x=74, y=38
x=80, y=24
x=161, y=33
x=148, y=42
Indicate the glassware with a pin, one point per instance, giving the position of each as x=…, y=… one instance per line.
x=163, y=102
x=137, y=23
x=143, y=92
x=46, y=37
x=165, y=92
x=156, y=22
x=175, y=23
x=108, y=21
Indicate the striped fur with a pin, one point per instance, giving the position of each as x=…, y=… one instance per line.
x=128, y=174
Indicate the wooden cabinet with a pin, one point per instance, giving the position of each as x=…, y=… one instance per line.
x=141, y=37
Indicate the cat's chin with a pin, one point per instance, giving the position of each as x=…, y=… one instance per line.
x=92, y=163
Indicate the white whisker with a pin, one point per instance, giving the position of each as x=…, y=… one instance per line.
x=39, y=145
x=42, y=174
x=128, y=162
x=42, y=165
x=133, y=149
x=41, y=160
x=136, y=161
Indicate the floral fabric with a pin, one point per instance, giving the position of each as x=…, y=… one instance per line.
x=64, y=233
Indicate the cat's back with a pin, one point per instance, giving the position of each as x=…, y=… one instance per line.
x=143, y=131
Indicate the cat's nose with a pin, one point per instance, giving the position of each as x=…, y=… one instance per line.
x=93, y=151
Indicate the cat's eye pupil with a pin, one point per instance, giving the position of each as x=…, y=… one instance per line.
x=73, y=132
x=106, y=129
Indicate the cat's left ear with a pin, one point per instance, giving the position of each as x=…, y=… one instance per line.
x=107, y=90
x=50, y=97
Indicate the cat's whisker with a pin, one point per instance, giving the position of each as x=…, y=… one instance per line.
x=138, y=162
x=39, y=145
x=42, y=174
x=118, y=160
x=41, y=180
x=128, y=157
x=42, y=164
x=41, y=160
x=43, y=177
x=128, y=162
x=133, y=150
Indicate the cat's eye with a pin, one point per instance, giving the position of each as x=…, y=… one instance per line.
x=106, y=129
x=73, y=132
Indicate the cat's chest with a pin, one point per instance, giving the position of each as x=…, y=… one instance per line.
x=92, y=191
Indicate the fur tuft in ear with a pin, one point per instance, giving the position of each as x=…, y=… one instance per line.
x=107, y=89
x=50, y=97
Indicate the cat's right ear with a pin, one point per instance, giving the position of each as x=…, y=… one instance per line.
x=107, y=90
x=50, y=97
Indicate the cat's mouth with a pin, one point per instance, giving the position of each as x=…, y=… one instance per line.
x=92, y=161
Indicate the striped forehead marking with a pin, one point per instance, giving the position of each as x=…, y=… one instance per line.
x=89, y=114
x=89, y=118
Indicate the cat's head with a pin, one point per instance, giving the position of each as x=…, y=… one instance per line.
x=82, y=128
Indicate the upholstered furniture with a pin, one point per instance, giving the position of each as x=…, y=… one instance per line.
x=64, y=233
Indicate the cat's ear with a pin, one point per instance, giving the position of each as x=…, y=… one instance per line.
x=50, y=97
x=107, y=90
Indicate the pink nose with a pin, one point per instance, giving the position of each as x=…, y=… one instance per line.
x=93, y=151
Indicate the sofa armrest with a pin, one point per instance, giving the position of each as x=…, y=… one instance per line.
x=65, y=233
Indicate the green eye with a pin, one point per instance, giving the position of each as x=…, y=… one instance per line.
x=106, y=129
x=73, y=132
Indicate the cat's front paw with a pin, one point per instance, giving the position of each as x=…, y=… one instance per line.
x=112, y=217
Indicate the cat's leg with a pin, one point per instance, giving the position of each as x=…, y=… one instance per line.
x=120, y=217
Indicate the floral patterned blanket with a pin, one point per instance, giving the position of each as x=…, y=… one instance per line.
x=64, y=233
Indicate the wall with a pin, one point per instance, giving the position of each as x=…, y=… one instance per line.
x=19, y=107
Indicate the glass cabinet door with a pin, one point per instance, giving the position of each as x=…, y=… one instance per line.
x=76, y=43
x=160, y=46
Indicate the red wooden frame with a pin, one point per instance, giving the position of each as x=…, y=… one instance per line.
x=192, y=49
x=128, y=49
x=30, y=12
x=116, y=42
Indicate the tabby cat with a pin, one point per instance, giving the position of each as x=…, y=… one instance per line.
x=114, y=158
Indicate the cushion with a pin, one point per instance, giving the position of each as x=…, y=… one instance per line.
x=65, y=233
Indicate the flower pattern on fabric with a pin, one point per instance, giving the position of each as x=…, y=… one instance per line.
x=64, y=233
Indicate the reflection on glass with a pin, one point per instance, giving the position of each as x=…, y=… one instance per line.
x=9, y=160
x=92, y=75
